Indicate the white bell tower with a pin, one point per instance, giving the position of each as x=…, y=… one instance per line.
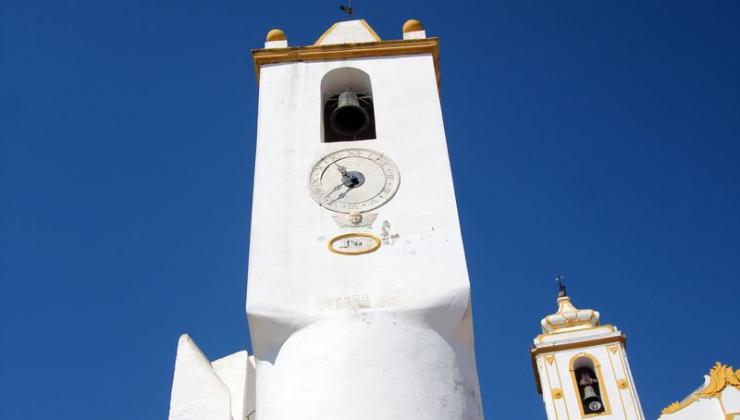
x=358, y=297
x=581, y=367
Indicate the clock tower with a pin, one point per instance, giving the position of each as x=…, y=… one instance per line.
x=358, y=297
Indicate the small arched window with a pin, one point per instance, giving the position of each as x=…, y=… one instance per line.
x=587, y=379
x=347, y=105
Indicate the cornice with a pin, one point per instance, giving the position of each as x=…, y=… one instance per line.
x=549, y=348
x=263, y=56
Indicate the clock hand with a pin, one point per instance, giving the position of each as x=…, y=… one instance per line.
x=342, y=169
x=346, y=182
x=340, y=196
x=333, y=190
x=349, y=180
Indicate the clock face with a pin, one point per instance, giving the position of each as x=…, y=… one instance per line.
x=353, y=180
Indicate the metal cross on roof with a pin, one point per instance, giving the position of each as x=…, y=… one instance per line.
x=348, y=8
x=560, y=280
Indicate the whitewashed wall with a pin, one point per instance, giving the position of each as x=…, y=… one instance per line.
x=201, y=390
x=383, y=335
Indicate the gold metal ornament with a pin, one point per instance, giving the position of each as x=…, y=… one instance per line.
x=720, y=376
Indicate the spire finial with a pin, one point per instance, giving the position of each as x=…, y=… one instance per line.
x=560, y=280
x=347, y=9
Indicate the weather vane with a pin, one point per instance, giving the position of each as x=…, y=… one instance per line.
x=561, y=285
x=348, y=8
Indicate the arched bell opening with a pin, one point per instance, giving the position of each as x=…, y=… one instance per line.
x=347, y=105
x=588, y=381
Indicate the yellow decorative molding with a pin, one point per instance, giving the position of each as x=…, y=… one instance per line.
x=606, y=328
x=613, y=348
x=412, y=25
x=569, y=318
x=557, y=393
x=370, y=29
x=334, y=26
x=261, y=57
x=276, y=35
x=549, y=348
x=623, y=384
x=675, y=406
x=550, y=358
x=720, y=376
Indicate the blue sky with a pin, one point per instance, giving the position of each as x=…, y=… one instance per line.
x=596, y=139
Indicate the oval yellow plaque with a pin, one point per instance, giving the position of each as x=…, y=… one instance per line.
x=354, y=243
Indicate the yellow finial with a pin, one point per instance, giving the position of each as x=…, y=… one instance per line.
x=412, y=25
x=276, y=35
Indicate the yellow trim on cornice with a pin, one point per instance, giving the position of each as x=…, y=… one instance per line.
x=720, y=376
x=334, y=26
x=541, y=338
x=571, y=326
x=579, y=344
x=261, y=57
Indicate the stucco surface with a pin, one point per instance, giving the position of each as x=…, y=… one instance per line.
x=197, y=391
x=382, y=335
x=232, y=370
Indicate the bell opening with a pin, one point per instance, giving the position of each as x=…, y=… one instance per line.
x=347, y=112
x=589, y=389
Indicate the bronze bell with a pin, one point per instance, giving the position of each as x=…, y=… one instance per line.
x=589, y=393
x=349, y=118
x=591, y=400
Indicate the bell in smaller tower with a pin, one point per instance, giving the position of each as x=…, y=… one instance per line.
x=590, y=397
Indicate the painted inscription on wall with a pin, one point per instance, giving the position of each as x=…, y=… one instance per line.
x=363, y=301
x=354, y=243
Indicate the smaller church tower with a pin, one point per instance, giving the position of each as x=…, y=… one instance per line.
x=581, y=367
